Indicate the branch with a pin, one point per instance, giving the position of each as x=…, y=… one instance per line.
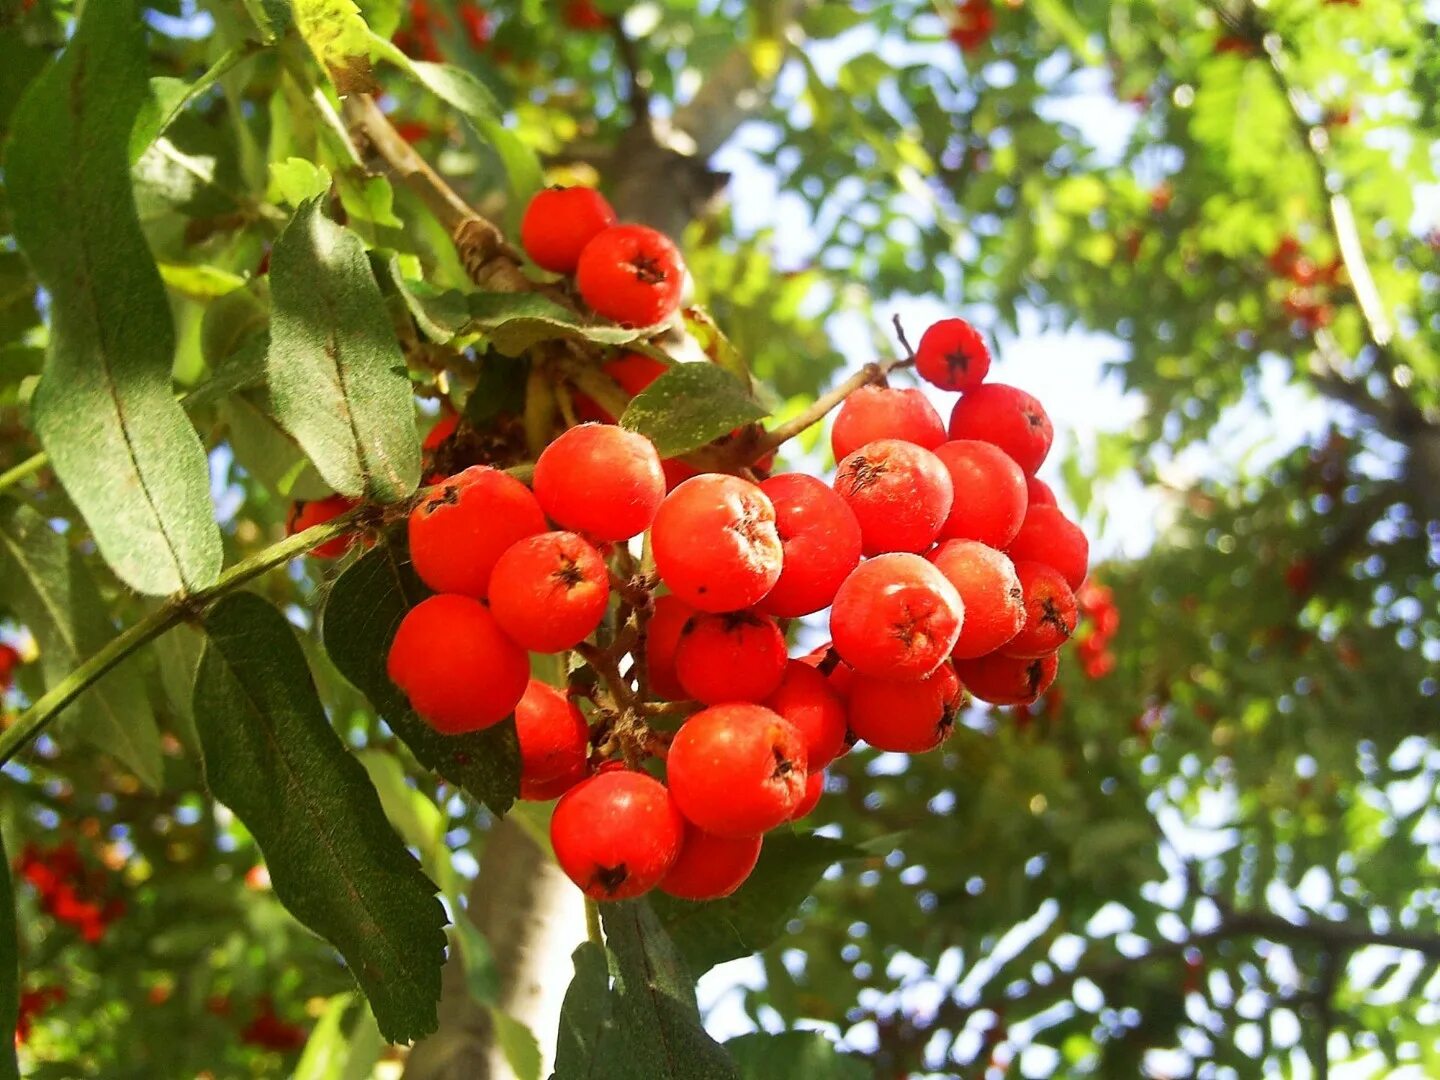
x=870, y=374
x=33, y=464
x=637, y=96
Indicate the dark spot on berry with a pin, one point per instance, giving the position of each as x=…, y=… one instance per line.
x=1034, y=419
x=449, y=495
x=863, y=472
x=647, y=270
x=946, y=723
x=1034, y=672
x=734, y=620
x=783, y=765
x=1017, y=594
x=610, y=878
x=1053, y=616
x=569, y=573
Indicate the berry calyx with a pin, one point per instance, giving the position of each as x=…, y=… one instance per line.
x=461, y=529
x=806, y=698
x=715, y=543
x=953, y=356
x=1050, y=611
x=457, y=667
x=548, y=592
x=600, y=480
x=305, y=514
x=631, y=274
x=1007, y=680
x=736, y=656
x=821, y=542
x=988, y=586
x=662, y=639
x=616, y=834
x=884, y=412
x=1048, y=536
x=559, y=222
x=900, y=494
x=990, y=493
x=906, y=717
x=896, y=617
x=554, y=738
x=737, y=769
x=1008, y=417
x=710, y=866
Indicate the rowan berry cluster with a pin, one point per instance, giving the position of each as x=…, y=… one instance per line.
x=68, y=891
x=943, y=561
x=1097, y=608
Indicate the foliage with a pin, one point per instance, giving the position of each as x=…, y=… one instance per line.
x=219, y=294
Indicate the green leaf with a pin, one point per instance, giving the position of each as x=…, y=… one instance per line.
x=46, y=587
x=656, y=1032
x=415, y=817
x=754, y=916
x=810, y=1054
x=516, y=322
x=482, y=977
x=585, y=1014
x=521, y=1048
x=358, y=622
x=326, y=1050
x=334, y=861
x=463, y=91
x=105, y=396
x=337, y=377
x=9, y=968
x=296, y=180
x=689, y=406
x=337, y=35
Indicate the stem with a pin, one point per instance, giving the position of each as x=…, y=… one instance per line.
x=35, y=719
x=592, y=922
x=217, y=71
x=900, y=333
x=867, y=375
x=31, y=465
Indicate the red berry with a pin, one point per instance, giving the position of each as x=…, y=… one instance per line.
x=806, y=698
x=953, y=356
x=1008, y=417
x=1041, y=494
x=900, y=493
x=554, y=738
x=1050, y=611
x=307, y=514
x=9, y=661
x=737, y=656
x=601, y=480
x=896, y=617
x=814, y=788
x=662, y=638
x=616, y=834
x=457, y=667
x=444, y=427
x=559, y=222
x=633, y=371
x=710, y=866
x=583, y=15
x=549, y=592
x=906, y=717
x=987, y=584
x=737, y=769
x=883, y=412
x=1007, y=680
x=545, y=790
x=463, y=527
x=821, y=541
x=1048, y=536
x=715, y=543
x=990, y=493
x=838, y=674
x=632, y=275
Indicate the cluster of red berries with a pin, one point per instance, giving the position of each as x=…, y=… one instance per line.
x=971, y=24
x=418, y=39
x=68, y=892
x=267, y=1030
x=32, y=1004
x=945, y=565
x=1097, y=607
x=1307, y=301
x=629, y=274
x=10, y=659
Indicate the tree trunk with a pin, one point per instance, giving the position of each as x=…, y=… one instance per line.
x=533, y=918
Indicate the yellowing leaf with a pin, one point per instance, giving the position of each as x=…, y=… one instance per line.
x=337, y=35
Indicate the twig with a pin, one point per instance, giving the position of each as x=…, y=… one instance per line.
x=33, y=464
x=900, y=333
x=871, y=373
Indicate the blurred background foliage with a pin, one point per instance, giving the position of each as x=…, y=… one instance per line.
x=1211, y=849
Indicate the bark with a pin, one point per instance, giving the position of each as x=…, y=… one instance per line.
x=533, y=918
